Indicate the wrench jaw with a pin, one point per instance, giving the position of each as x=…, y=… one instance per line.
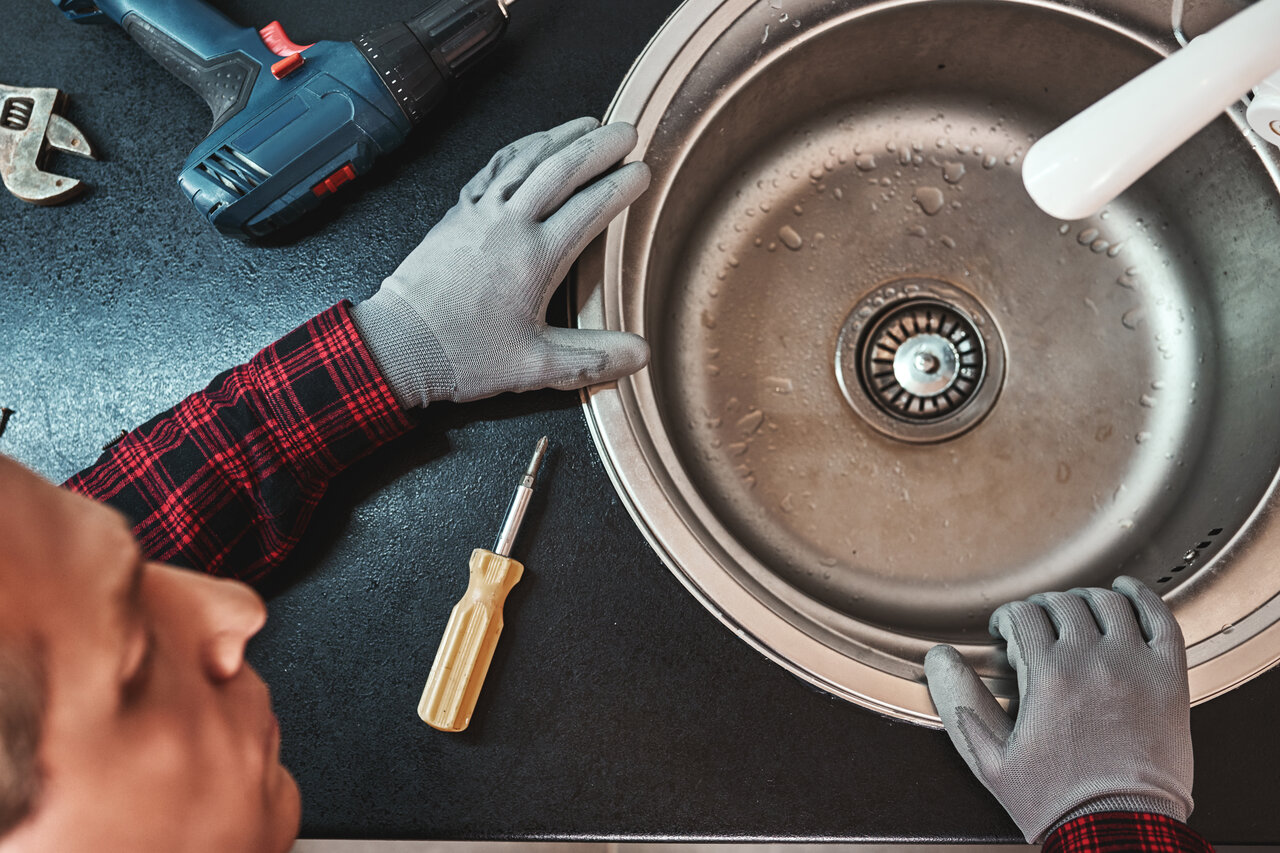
x=29, y=128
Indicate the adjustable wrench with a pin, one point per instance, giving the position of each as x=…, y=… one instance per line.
x=29, y=127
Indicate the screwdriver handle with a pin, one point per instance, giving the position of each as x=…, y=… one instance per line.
x=462, y=661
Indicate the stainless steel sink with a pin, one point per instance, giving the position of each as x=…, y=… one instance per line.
x=887, y=393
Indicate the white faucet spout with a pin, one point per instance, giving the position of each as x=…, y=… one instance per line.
x=1077, y=169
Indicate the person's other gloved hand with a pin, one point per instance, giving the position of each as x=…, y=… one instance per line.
x=464, y=317
x=1103, y=719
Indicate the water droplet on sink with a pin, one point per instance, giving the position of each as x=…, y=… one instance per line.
x=1147, y=401
x=865, y=162
x=948, y=242
x=738, y=448
x=1126, y=280
x=1064, y=228
x=1133, y=318
x=917, y=231
x=779, y=384
x=953, y=172
x=1087, y=236
x=751, y=421
x=930, y=199
x=1141, y=438
x=708, y=319
x=1099, y=246
x=989, y=161
x=1126, y=523
x=790, y=238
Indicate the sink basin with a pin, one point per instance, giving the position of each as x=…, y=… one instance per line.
x=889, y=394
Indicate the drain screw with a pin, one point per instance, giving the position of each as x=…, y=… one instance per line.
x=1190, y=555
x=927, y=363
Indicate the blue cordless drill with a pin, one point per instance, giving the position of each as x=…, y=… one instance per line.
x=291, y=123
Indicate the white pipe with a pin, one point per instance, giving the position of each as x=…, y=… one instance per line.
x=1077, y=169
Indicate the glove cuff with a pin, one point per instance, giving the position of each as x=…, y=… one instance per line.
x=1122, y=803
x=405, y=350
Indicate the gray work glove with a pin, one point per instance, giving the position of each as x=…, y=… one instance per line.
x=464, y=317
x=1103, y=720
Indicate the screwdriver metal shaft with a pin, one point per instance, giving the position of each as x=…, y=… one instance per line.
x=466, y=650
x=520, y=502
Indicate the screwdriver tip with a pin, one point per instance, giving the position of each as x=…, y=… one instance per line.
x=538, y=453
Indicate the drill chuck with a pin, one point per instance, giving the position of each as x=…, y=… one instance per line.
x=418, y=59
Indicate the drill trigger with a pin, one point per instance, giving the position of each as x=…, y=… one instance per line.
x=278, y=42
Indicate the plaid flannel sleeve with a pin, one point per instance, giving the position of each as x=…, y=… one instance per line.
x=226, y=481
x=1125, y=832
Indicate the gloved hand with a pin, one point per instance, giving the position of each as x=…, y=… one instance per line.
x=464, y=317
x=1103, y=720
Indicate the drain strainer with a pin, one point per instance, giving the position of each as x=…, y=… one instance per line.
x=922, y=361
x=914, y=359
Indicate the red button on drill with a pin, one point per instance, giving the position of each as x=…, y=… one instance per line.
x=286, y=66
x=334, y=181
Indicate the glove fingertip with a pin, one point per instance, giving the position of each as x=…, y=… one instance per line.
x=1157, y=620
x=938, y=658
x=625, y=354
x=628, y=183
x=575, y=127
x=627, y=132
x=946, y=674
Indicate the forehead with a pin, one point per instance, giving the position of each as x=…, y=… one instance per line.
x=54, y=543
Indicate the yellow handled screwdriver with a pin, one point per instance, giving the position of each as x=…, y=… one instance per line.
x=462, y=661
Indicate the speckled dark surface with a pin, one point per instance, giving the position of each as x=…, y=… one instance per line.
x=616, y=706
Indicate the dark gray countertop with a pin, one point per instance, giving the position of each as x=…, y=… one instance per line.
x=617, y=707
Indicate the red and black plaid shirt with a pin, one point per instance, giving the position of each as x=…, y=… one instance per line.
x=226, y=481
x=1125, y=832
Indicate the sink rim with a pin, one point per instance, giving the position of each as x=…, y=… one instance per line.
x=1216, y=664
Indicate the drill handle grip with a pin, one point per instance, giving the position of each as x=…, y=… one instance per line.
x=197, y=44
x=193, y=24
